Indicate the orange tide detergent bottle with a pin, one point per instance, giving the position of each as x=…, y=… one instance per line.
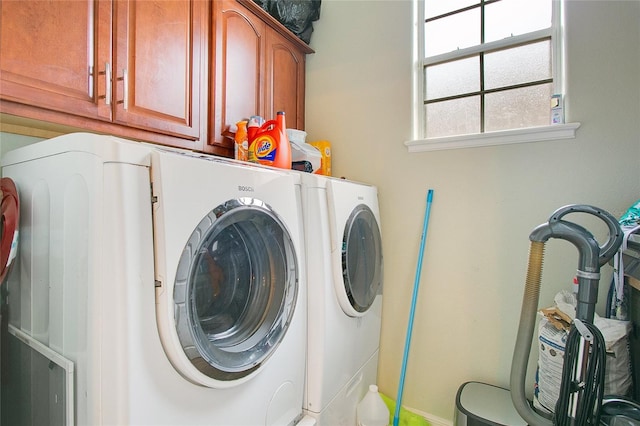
x=270, y=145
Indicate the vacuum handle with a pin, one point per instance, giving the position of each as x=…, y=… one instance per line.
x=608, y=249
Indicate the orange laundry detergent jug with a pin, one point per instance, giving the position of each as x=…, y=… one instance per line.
x=270, y=145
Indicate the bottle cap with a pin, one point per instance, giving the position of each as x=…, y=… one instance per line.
x=255, y=121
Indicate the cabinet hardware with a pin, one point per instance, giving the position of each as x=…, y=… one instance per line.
x=107, y=78
x=90, y=82
x=125, y=83
x=125, y=74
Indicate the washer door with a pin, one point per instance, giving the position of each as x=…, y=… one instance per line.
x=361, y=262
x=235, y=290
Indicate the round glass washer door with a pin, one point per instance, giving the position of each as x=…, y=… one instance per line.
x=361, y=262
x=235, y=289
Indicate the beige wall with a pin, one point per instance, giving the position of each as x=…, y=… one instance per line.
x=486, y=201
x=11, y=141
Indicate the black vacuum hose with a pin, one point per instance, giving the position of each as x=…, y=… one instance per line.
x=589, y=393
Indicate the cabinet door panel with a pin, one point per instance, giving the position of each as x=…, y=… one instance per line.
x=238, y=80
x=157, y=65
x=48, y=54
x=285, y=71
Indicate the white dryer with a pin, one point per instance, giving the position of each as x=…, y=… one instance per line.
x=161, y=287
x=344, y=266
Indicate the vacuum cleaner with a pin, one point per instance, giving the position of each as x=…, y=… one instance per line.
x=581, y=401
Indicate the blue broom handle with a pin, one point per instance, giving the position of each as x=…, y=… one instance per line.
x=416, y=285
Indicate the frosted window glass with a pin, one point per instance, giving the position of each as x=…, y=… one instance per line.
x=438, y=7
x=453, y=78
x=518, y=108
x=453, y=32
x=507, y=18
x=521, y=64
x=468, y=85
x=455, y=117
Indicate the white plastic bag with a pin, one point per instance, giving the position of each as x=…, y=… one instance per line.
x=552, y=341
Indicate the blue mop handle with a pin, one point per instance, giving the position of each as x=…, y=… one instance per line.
x=416, y=285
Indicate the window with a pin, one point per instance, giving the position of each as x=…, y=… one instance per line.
x=485, y=66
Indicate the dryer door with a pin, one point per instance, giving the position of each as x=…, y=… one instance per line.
x=361, y=261
x=235, y=291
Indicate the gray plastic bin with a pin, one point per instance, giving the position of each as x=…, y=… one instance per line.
x=480, y=404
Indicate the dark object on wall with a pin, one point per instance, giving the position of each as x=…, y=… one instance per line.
x=296, y=15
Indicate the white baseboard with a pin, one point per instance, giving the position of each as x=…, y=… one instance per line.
x=433, y=420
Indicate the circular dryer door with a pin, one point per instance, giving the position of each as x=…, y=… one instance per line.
x=235, y=291
x=361, y=262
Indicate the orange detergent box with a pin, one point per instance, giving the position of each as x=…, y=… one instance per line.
x=325, y=162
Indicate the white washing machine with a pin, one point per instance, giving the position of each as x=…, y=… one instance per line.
x=154, y=287
x=344, y=265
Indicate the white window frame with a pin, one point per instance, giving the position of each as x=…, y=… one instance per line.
x=524, y=135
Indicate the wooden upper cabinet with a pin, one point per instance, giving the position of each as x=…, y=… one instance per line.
x=175, y=72
x=138, y=64
x=259, y=69
x=156, y=65
x=48, y=54
x=285, y=72
x=237, y=81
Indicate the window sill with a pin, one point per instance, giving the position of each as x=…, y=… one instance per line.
x=505, y=137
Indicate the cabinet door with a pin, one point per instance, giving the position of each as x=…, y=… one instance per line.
x=157, y=65
x=285, y=70
x=48, y=54
x=237, y=81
